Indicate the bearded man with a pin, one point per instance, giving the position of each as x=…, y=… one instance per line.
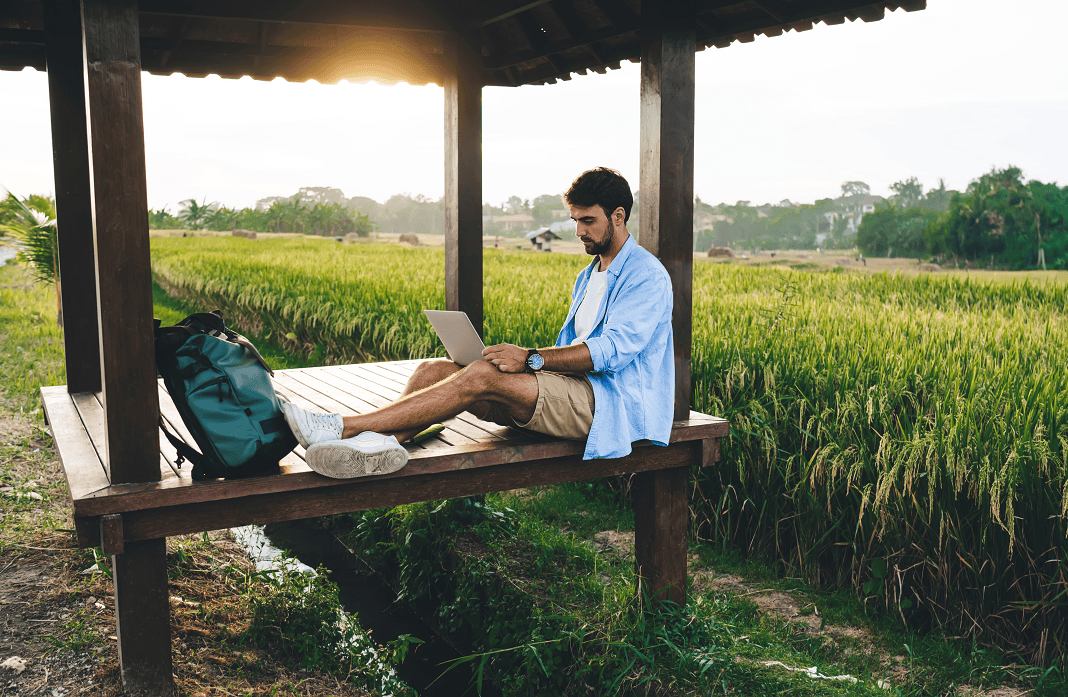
x=608, y=380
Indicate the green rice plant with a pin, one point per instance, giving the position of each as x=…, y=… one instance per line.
x=31, y=343
x=909, y=431
x=361, y=302
x=904, y=434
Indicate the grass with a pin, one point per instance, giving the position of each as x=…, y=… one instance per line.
x=223, y=613
x=904, y=436
x=901, y=437
x=31, y=352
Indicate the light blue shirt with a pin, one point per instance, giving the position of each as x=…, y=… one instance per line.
x=632, y=348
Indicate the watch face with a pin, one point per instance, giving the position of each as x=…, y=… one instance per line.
x=536, y=361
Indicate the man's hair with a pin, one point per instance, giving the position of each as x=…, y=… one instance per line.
x=603, y=187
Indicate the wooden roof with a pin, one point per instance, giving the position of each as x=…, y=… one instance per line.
x=523, y=41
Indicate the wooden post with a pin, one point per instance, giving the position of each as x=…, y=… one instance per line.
x=661, y=522
x=120, y=232
x=143, y=618
x=74, y=208
x=463, y=176
x=667, y=154
x=124, y=310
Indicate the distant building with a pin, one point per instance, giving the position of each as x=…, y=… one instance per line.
x=542, y=239
x=853, y=209
x=517, y=221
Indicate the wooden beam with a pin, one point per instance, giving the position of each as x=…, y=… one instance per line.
x=124, y=313
x=661, y=521
x=409, y=15
x=489, y=12
x=120, y=231
x=143, y=618
x=74, y=207
x=346, y=496
x=666, y=165
x=495, y=62
x=463, y=176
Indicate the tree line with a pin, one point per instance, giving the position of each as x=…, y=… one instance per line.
x=999, y=221
x=291, y=214
x=326, y=211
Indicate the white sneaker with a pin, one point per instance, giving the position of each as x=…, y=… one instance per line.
x=311, y=427
x=367, y=453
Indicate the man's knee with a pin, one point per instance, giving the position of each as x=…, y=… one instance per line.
x=435, y=370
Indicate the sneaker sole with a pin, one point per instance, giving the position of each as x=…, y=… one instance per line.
x=339, y=461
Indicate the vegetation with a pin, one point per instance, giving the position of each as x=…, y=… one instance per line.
x=31, y=226
x=31, y=352
x=904, y=437
x=282, y=215
x=997, y=222
x=547, y=614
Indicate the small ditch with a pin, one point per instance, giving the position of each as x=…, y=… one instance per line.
x=365, y=594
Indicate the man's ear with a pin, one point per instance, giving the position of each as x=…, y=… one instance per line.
x=618, y=215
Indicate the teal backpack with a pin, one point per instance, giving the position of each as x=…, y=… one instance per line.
x=222, y=389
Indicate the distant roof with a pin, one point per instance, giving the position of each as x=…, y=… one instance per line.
x=542, y=232
x=522, y=41
x=516, y=218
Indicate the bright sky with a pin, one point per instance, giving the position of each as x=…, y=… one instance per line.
x=948, y=92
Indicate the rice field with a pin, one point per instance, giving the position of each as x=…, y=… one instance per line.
x=906, y=436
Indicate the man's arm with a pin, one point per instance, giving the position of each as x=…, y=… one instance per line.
x=558, y=359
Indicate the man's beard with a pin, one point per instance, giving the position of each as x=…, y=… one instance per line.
x=598, y=248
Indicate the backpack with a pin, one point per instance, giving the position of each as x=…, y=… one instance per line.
x=221, y=387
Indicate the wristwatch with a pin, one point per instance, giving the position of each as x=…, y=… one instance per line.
x=535, y=361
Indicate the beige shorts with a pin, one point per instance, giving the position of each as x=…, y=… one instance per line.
x=564, y=410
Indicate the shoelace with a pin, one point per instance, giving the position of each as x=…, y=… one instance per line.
x=324, y=421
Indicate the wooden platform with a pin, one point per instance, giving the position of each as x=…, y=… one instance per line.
x=469, y=457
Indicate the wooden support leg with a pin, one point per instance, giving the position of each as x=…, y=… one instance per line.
x=661, y=521
x=74, y=206
x=110, y=41
x=143, y=618
x=665, y=228
x=463, y=177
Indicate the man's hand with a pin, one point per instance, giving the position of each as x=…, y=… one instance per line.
x=508, y=358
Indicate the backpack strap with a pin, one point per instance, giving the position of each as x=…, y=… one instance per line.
x=184, y=453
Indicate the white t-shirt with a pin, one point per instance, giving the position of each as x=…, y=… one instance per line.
x=586, y=316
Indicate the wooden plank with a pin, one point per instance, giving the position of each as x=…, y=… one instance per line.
x=91, y=414
x=120, y=229
x=81, y=465
x=661, y=521
x=431, y=461
x=143, y=618
x=667, y=163
x=356, y=495
x=74, y=207
x=463, y=175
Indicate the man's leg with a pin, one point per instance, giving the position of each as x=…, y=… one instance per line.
x=430, y=373
x=451, y=390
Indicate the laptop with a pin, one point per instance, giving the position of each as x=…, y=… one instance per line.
x=462, y=343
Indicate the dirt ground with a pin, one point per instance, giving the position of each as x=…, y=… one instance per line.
x=57, y=620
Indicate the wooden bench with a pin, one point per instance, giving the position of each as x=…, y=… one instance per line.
x=132, y=521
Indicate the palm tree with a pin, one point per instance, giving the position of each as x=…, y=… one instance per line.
x=194, y=214
x=32, y=225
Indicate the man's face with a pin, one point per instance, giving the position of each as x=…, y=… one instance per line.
x=594, y=228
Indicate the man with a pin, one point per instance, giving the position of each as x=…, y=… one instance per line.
x=609, y=379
